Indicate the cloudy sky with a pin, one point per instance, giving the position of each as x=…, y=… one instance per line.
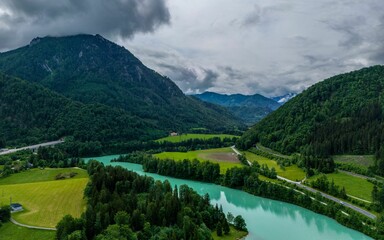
x=250, y=46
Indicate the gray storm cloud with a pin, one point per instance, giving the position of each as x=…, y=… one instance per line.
x=22, y=20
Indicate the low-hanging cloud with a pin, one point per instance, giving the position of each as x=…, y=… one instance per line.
x=25, y=19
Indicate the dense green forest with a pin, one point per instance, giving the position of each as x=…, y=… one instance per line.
x=31, y=113
x=93, y=70
x=124, y=205
x=340, y=115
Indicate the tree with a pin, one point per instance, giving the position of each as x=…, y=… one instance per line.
x=226, y=228
x=239, y=223
x=219, y=229
x=5, y=214
x=230, y=217
x=121, y=218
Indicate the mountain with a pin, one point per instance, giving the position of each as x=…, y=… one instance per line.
x=284, y=98
x=30, y=113
x=249, y=108
x=93, y=70
x=342, y=114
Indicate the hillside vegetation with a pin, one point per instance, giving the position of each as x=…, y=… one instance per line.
x=31, y=113
x=340, y=115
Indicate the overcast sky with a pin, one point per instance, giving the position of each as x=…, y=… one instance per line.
x=250, y=46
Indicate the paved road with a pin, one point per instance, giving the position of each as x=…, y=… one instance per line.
x=32, y=147
x=360, y=210
x=33, y=227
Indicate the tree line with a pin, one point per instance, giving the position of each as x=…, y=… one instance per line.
x=124, y=205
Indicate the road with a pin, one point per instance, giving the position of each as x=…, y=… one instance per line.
x=357, y=209
x=46, y=144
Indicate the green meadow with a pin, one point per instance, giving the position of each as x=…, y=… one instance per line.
x=188, y=136
x=44, y=199
x=10, y=231
x=293, y=172
x=355, y=186
x=225, y=157
x=233, y=234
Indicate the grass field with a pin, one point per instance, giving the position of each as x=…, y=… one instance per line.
x=45, y=201
x=360, y=160
x=292, y=172
x=223, y=156
x=233, y=235
x=354, y=186
x=10, y=231
x=184, y=137
x=38, y=175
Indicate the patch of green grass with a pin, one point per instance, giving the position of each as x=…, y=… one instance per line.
x=45, y=202
x=233, y=235
x=188, y=136
x=360, y=160
x=264, y=178
x=293, y=172
x=10, y=231
x=355, y=186
x=1, y=167
x=203, y=155
x=41, y=175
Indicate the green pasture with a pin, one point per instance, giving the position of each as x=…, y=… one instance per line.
x=233, y=234
x=293, y=172
x=41, y=175
x=203, y=155
x=359, y=160
x=45, y=202
x=188, y=136
x=355, y=186
x=10, y=231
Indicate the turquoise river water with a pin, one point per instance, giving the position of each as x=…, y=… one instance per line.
x=266, y=219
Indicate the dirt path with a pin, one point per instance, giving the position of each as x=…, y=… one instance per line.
x=33, y=227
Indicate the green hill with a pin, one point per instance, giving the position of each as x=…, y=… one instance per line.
x=342, y=114
x=30, y=113
x=91, y=69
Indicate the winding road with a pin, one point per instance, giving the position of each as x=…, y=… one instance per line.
x=46, y=144
x=298, y=184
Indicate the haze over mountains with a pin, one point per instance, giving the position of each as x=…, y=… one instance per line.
x=249, y=108
x=92, y=70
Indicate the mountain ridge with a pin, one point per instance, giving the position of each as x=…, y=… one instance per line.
x=92, y=69
x=249, y=108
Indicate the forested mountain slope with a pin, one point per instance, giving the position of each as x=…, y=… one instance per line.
x=91, y=69
x=30, y=113
x=342, y=114
x=249, y=108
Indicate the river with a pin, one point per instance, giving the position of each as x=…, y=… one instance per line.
x=266, y=219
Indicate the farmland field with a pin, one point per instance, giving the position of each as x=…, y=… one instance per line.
x=184, y=137
x=355, y=186
x=293, y=172
x=225, y=157
x=45, y=201
x=10, y=231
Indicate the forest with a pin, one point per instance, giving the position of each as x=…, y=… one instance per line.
x=340, y=115
x=125, y=205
